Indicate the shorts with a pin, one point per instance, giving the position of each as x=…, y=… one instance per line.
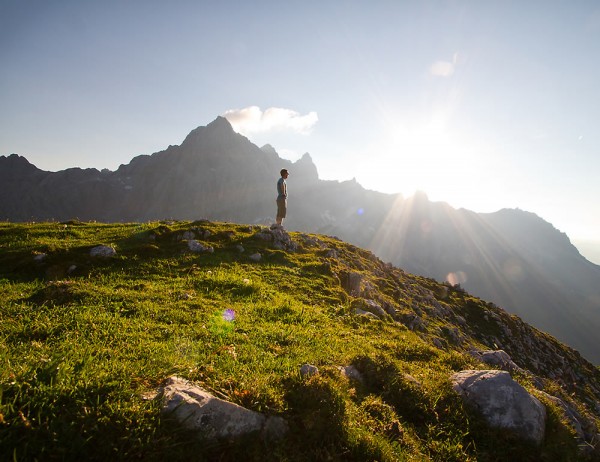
x=281, y=207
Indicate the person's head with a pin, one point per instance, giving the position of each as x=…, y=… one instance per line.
x=284, y=172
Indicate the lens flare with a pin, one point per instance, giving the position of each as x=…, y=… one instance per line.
x=458, y=277
x=228, y=315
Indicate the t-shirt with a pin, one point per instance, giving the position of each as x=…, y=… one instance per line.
x=281, y=188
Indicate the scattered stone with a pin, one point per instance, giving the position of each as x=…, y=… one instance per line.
x=197, y=247
x=71, y=269
x=352, y=373
x=502, y=402
x=332, y=253
x=352, y=282
x=216, y=419
x=103, y=251
x=412, y=321
x=361, y=306
x=497, y=358
x=240, y=248
x=306, y=370
x=188, y=236
x=256, y=257
x=40, y=257
x=364, y=313
x=438, y=343
x=571, y=415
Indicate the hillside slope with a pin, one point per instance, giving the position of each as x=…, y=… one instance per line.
x=513, y=258
x=96, y=316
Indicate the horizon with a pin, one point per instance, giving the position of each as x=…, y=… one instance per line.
x=482, y=106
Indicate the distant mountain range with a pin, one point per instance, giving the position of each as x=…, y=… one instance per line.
x=512, y=258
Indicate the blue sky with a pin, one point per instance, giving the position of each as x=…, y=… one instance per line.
x=482, y=104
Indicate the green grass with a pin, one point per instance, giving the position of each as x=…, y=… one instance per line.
x=83, y=340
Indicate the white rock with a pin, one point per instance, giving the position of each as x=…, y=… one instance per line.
x=196, y=409
x=502, y=402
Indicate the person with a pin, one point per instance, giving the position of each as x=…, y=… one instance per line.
x=281, y=197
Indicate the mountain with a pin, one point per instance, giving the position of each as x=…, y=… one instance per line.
x=512, y=258
x=283, y=347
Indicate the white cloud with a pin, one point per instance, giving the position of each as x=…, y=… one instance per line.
x=253, y=120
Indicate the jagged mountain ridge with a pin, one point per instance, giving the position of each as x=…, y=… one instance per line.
x=512, y=258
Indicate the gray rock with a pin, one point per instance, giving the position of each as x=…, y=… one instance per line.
x=188, y=235
x=364, y=313
x=306, y=370
x=40, y=257
x=103, y=251
x=352, y=283
x=215, y=419
x=198, y=247
x=502, y=402
x=255, y=257
x=361, y=306
x=497, y=358
x=351, y=373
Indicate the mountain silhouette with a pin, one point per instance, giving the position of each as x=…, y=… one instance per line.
x=512, y=258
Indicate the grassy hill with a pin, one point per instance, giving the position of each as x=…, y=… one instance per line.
x=85, y=340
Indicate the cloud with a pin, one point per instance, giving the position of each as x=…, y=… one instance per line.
x=253, y=120
x=444, y=68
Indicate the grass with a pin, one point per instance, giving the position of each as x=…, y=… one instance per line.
x=83, y=341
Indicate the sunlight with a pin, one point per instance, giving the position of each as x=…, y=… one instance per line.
x=426, y=142
x=417, y=232
x=425, y=154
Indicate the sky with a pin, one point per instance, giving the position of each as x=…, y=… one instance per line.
x=481, y=104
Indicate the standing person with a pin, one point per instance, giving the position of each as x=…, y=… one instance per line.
x=282, y=196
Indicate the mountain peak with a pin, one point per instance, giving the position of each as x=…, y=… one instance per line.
x=306, y=167
x=17, y=164
x=221, y=123
x=218, y=128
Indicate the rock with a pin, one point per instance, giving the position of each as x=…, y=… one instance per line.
x=40, y=257
x=361, y=306
x=438, y=343
x=198, y=247
x=367, y=314
x=497, y=358
x=352, y=282
x=188, y=236
x=502, y=402
x=332, y=253
x=215, y=419
x=239, y=248
x=306, y=370
x=103, y=251
x=282, y=240
x=352, y=373
x=256, y=257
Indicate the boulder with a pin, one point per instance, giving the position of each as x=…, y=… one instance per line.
x=215, y=419
x=502, y=402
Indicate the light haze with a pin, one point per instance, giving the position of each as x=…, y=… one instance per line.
x=484, y=105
